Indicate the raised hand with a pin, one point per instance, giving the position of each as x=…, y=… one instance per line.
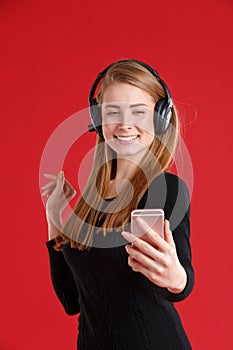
x=59, y=192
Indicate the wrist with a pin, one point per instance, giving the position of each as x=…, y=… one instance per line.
x=54, y=219
x=179, y=286
x=55, y=227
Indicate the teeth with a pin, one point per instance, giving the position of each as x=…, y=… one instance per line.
x=127, y=138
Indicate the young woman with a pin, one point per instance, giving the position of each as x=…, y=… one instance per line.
x=124, y=286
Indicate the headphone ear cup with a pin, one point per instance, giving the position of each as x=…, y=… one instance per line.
x=162, y=116
x=96, y=117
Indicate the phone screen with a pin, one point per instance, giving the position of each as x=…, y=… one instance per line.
x=153, y=217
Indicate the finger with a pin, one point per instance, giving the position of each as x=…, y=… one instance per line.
x=50, y=176
x=60, y=180
x=151, y=275
x=48, y=185
x=147, y=249
x=46, y=193
x=149, y=257
x=129, y=236
x=168, y=234
x=48, y=190
x=151, y=236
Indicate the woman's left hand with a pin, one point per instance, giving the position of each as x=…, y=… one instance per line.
x=156, y=258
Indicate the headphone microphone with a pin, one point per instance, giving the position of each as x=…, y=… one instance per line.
x=162, y=110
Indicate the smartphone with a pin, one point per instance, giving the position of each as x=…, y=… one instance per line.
x=153, y=217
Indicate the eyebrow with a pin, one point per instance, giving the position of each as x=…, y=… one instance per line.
x=131, y=106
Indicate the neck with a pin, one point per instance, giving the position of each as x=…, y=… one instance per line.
x=126, y=165
x=125, y=168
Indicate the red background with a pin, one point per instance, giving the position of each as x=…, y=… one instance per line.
x=51, y=52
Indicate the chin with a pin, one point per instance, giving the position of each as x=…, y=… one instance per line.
x=128, y=149
x=136, y=150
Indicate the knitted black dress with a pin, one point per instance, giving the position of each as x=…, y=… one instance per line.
x=121, y=309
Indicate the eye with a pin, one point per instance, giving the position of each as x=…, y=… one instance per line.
x=112, y=113
x=138, y=112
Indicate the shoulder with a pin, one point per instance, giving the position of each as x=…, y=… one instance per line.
x=169, y=192
x=172, y=180
x=171, y=183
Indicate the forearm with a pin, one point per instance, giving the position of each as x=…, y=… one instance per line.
x=54, y=226
x=62, y=280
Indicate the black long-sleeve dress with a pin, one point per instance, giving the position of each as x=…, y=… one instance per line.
x=121, y=309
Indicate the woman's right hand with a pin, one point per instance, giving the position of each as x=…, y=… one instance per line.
x=59, y=192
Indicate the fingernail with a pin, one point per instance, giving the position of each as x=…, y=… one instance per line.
x=125, y=234
x=139, y=220
x=168, y=226
x=127, y=249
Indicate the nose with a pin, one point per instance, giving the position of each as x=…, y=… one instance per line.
x=125, y=121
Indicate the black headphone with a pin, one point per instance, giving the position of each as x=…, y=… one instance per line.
x=162, y=111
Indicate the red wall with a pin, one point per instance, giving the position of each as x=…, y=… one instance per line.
x=51, y=52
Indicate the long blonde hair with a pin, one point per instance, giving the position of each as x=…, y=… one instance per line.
x=117, y=213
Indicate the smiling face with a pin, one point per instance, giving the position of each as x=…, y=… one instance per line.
x=127, y=119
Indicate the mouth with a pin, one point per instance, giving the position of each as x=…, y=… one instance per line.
x=126, y=139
